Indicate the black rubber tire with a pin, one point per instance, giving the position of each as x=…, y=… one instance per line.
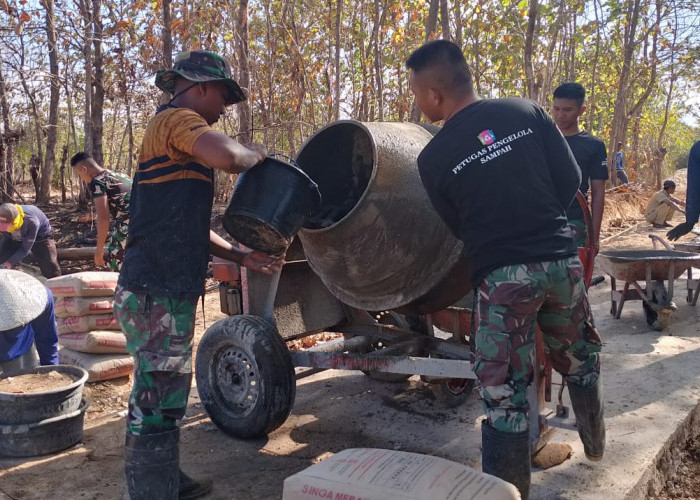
x=453, y=392
x=245, y=376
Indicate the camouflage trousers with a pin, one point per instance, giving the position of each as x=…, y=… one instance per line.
x=116, y=243
x=512, y=302
x=159, y=332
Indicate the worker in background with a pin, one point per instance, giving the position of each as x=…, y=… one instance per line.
x=692, y=195
x=28, y=335
x=662, y=205
x=501, y=176
x=591, y=156
x=166, y=259
x=25, y=229
x=110, y=192
x=620, y=164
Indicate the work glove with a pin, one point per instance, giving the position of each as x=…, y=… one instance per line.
x=679, y=230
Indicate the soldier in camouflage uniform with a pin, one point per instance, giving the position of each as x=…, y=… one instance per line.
x=501, y=176
x=111, y=192
x=166, y=258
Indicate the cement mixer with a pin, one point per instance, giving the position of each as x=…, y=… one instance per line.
x=377, y=243
x=375, y=264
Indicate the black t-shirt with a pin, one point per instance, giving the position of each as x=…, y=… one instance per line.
x=501, y=175
x=592, y=158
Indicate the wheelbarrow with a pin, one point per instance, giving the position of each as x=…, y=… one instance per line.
x=653, y=268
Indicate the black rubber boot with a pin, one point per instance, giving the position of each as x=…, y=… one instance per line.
x=151, y=466
x=507, y=455
x=588, y=408
x=191, y=489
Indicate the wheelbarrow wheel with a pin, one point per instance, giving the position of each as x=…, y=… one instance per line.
x=393, y=319
x=245, y=376
x=452, y=392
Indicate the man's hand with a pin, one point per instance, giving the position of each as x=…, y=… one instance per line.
x=259, y=149
x=679, y=230
x=262, y=263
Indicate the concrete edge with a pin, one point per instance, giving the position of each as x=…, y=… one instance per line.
x=667, y=460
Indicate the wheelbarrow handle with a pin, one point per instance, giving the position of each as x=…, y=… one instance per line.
x=658, y=239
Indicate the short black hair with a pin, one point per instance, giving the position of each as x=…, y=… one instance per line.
x=668, y=184
x=78, y=157
x=448, y=59
x=571, y=90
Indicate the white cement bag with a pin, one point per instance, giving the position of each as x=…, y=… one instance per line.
x=95, y=342
x=82, y=306
x=375, y=474
x=84, y=284
x=98, y=366
x=79, y=324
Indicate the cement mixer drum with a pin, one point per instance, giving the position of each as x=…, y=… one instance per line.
x=377, y=243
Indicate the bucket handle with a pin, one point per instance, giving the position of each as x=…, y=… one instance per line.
x=284, y=157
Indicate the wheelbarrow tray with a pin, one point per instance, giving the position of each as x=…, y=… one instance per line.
x=631, y=265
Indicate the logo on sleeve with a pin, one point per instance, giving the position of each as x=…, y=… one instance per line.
x=487, y=137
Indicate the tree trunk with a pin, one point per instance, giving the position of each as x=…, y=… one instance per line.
x=64, y=157
x=529, y=47
x=98, y=84
x=245, y=115
x=445, y=20
x=620, y=115
x=430, y=28
x=44, y=194
x=6, y=142
x=87, y=56
x=336, y=61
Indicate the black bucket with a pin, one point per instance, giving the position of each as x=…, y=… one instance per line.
x=269, y=204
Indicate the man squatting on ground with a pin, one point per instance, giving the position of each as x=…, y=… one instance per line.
x=24, y=229
x=692, y=195
x=501, y=176
x=166, y=261
x=591, y=156
x=110, y=192
x=26, y=320
x=662, y=205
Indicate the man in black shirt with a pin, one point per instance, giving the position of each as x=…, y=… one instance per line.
x=501, y=176
x=590, y=155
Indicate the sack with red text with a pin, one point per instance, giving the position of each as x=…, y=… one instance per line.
x=79, y=324
x=95, y=342
x=82, y=306
x=375, y=474
x=98, y=366
x=84, y=284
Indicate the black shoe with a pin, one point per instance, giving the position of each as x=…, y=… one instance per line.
x=151, y=465
x=191, y=489
x=588, y=408
x=506, y=455
x=659, y=226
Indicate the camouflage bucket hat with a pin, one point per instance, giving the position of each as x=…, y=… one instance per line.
x=200, y=66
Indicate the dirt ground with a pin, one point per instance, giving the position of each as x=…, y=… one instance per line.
x=94, y=468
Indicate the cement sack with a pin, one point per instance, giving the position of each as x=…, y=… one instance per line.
x=375, y=474
x=79, y=324
x=82, y=306
x=84, y=284
x=95, y=342
x=98, y=366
